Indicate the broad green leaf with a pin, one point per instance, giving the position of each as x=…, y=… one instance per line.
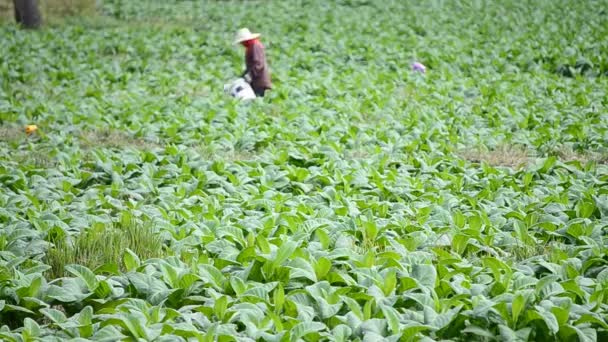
x=210, y=336
x=477, y=331
x=278, y=298
x=170, y=275
x=304, y=328
x=341, y=333
x=426, y=275
x=221, y=304
x=135, y=325
x=238, y=285
x=85, y=320
x=374, y=325
x=31, y=329
x=131, y=260
x=213, y=275
x=593, y=319
x=442, y=320
x=302, y=268
x=517, y=306
x=583, y=333
x=507, y=334
x=367, y=309
x=459, y=219
x=70, y=291
x=547, y=317
x=585, y=209
x=108, y=333
x=390, y=282
x=354, y=307
x=85, y=274
x=284, y=252
x=322, y=267
x=392, y=317
x=103, y=290
x=263, y=244
x=55, y=316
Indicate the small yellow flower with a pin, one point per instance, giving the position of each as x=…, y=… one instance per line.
x=29, y=129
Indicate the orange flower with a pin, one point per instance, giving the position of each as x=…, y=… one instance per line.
x=29, y=129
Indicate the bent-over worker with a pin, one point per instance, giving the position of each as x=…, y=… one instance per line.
x=255, y=61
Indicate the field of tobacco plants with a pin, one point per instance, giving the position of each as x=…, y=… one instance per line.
x=360, y=200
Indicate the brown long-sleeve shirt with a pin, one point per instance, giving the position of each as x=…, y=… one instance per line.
x=255, y=60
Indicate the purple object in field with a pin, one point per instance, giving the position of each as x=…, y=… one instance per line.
x=419, y=67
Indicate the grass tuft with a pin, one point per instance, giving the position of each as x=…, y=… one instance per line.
x=104, y=245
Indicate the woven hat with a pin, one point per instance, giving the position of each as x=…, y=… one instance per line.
x=244, y=34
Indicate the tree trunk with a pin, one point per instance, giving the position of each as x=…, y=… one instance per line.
x=27, y=13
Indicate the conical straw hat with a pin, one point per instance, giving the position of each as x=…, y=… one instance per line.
x=244, y=34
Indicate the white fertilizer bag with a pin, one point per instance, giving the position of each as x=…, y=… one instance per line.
x=240, y=89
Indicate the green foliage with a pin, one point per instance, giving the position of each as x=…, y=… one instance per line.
x=358, y=201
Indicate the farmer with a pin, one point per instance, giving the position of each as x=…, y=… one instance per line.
x=255, y=60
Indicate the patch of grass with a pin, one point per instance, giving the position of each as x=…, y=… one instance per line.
x=36, y=159
x=514, y=156
x=14, y=135
x=504, y=155
x=523, y=252
x=357, y=154
x=225, y=155
x=16, y=138
x=11, y=134
x=52, y=10
x=103, y=246
x=552, y=250
x=112, y=139
x=568, y=154
x=68, y=7
x=233, y=156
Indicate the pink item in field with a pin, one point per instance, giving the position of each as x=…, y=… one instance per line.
x=418, y=67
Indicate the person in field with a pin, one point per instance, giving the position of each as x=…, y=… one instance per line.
x=255, y=61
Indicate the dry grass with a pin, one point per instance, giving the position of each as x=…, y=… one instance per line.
x=523, y=252
x=11, y=134
x=36, y=159
x=52, y=9
x=62, y=8
x=55, y=13
x=567, y=154
x=112, y=139
x=505, y=155
x=234, y=156
x=553, y=250
x=225, y=155
x=15, y=137
x=517, y=157
x=199, y=91
x=357, y=154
